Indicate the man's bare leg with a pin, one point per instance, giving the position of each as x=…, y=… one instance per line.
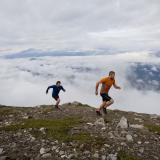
x=108, y=103
x=57, y=104
x=101, y=107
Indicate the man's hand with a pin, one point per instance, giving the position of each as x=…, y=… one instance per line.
x=96, y=92
x=46, y=92
x=118, y=87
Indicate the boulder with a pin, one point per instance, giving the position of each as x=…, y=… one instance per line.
x=100, y=122
x=123, y=123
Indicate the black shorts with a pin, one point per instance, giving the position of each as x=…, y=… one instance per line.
x=105, y=97
x=55, y=97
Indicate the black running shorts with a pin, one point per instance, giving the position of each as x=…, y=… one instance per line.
x=105, y=97
x=55, y=97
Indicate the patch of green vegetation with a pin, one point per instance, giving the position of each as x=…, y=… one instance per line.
x=153, y=128
x=87, y=138
x=82, y=137
x=57, y=129
x=7, y=111
x=122, y=155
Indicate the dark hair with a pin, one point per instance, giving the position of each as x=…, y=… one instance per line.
x=111, y=72
x=58, y=82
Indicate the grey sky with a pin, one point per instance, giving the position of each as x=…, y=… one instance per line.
x=76, y=24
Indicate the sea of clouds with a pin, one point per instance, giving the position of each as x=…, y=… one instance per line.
x=23, y=81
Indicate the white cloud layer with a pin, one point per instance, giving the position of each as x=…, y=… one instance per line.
x=23, y=81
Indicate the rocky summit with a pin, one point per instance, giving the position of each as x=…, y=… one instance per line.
x=76, y=132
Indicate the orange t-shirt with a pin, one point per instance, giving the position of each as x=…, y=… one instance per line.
x=107, y=83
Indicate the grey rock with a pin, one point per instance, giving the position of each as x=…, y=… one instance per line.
x=32, y=138
x=123, y=144
x=42, y=130
x=86, y=152
x=56, y=141
x=137, y=126
x=141, y=150
x=103, y=157
x=30, y=129
x=61, y=153
x=123, y=123
x=13, y=145
x=146, y=142
x=44, y=150
x=129, y=138
x=71, y=156
x=54, y=148
x=25, y=117
x=155, y=157
x=135, y=135
x=96, y=155
x=112, y=157
x=63, y=156
x=1, y=151
x=100, y=122
x=19, y=134
x=139, y=142
x=107, y=145
x=57, y=150
x=90, y=124
x=46, y=155
x=111, y=134
x=103, y=128
x=63, y=144
x=102, y=149
x=81, y=146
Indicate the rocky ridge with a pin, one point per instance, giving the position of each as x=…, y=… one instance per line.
x=76, y=132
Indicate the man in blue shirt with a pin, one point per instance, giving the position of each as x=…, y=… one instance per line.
x=55, y=93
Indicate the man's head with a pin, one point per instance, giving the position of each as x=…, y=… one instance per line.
x=112, y=74
x=58, y=83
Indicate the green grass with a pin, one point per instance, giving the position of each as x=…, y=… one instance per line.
x=82, y=136
x=153, y=128
x=85, y=137
x=57, y=129
x=122, y=155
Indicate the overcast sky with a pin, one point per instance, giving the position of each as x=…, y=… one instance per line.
x=80, y=25
x=111, y=26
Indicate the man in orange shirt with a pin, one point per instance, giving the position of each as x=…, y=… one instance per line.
x=107, y=83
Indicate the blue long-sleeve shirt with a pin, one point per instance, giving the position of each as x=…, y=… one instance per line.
x=56, y=90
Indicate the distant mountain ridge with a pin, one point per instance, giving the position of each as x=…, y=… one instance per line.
x=39, y=53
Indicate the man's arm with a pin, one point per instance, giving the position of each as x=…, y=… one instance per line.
x=63, y=89
x=48, y=89
x=97, y=85
x=116, y=86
